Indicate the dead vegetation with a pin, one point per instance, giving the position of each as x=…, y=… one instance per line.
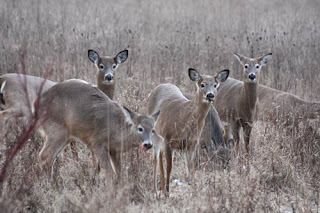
x=282, y=173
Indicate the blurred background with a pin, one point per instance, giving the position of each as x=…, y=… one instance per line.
x=165, y=38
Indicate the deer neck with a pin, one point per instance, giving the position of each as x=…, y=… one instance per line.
x=249, y=96
x=200, y=109
x=107, y=89
x=128, y=137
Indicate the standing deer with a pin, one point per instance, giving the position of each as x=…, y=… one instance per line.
x=73, y=109
x=212, y=137
x=237, y=101
x=181, y=121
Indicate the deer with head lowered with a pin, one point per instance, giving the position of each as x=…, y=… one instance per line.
x=181, y=121
x=237, y=101
x=78, y=110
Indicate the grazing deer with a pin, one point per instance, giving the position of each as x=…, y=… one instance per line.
x=181, y=121
x=237, y=101
x=106, y=67
x=73, y=109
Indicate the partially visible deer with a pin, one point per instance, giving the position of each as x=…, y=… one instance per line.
x=237, y=101
x=181, y=121
x=212, y=137
x=18, y=92
x=73, y=109
x=106, y=67
x=283, y=107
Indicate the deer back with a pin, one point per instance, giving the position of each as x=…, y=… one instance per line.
x=20, y=91
x=83, y=109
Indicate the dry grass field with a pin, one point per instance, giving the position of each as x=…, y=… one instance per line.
x=164, y=39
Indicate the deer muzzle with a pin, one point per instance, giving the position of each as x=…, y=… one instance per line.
x=210, y=96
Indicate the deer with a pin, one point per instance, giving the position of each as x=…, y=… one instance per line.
x=213, y=135
x=284, y=107
x=78, y=110
x=181, y=121
x=237, y=100
x=18, y=92
x=106, y=67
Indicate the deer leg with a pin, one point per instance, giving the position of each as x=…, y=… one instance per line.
x=155, y=161
x=168, y=152
x=100, y=157
x=115, y=162
x=190, y=158
x=235, y=128
x=56, y=140
x=6, y=115
x=246, y=135
x=162, y=178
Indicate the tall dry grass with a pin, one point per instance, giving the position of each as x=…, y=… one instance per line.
x=164, y=39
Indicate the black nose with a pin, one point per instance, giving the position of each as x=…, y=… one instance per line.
x=109, y=77
x=210, y=96
x=148, y=145
x=252, y=76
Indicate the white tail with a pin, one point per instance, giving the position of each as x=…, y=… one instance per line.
x=181, y=121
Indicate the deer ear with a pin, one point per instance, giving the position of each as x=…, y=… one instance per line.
x=264, y=59
x=194, y=75
x=155, y=115
x=222, y=75
x=239, y=57
x=122, y=56
x=130, y=115
x=93, y=56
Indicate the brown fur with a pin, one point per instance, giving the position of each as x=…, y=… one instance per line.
x=283, y=107
x=105, y=66
x=236, y=101
x=212, y=137
x=181, y=121
x=107, y=128
x=19, y=93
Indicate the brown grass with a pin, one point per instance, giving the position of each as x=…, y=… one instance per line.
x=164, y=39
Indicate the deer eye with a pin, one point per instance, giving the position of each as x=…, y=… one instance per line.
x=246, y=66
x=101, y=66
x=215, y=85
x=153, y=131
x=202, y=85
x=114, y=66
x=140, y=129
x=257, y=66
